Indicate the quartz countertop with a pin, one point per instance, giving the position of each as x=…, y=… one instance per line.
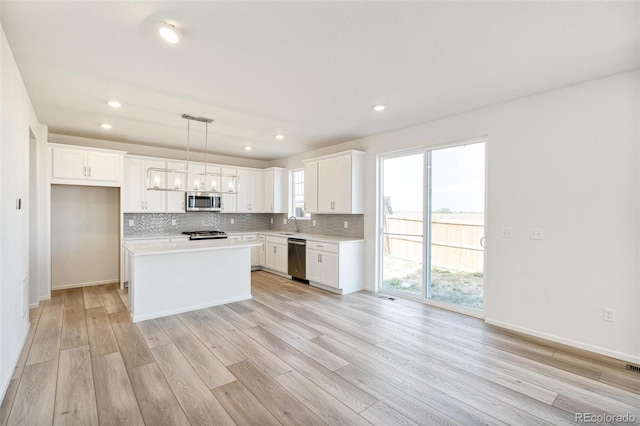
x=311, y=237
x=151, y=248
x=284, y=234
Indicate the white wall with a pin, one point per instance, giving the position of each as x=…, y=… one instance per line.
x=567, y=161
x=85, y=235
x=17, y=116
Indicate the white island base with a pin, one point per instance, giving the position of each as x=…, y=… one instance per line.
x=170, y=278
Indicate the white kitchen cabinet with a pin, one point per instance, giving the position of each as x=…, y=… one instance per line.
x=322, y=263
x=229, y=201
x=274, y=190
x=194, y=178
x=249, y=199
x=176, y=200
x=311, y=187
x=340, y=183
x=255, y=251
x=136, y=198
x=86, y=167
x=336, y=266
x=263, y=251
x=276, y=254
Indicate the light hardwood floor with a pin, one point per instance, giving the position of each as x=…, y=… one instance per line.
x=295, y=355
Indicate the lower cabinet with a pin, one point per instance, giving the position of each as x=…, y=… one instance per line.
x=336, y=266
x=322, y=263
x=276, y=254
x=255, y=251
x=263, y=251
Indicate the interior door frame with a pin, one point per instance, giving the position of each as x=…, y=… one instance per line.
x=426, y=176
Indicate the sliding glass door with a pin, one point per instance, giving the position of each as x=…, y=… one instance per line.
x=403, y=224
x=432, y=224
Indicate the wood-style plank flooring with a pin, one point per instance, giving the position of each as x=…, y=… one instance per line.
x=295, y=355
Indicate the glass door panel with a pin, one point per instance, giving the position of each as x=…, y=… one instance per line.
x=403, y=225
x=456, y=225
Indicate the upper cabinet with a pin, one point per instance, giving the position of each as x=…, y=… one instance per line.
x=311, y=187
x=176, y=199
x=249, y=199
x=85, y=166
x=136, y=198
x=229, y=201
x=334, y=184
x=274, y=198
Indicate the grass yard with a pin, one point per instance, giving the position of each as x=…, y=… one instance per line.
x=455, y=287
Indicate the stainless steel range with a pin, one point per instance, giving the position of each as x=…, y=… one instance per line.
x=205, y=235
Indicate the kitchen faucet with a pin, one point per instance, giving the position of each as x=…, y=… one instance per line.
x=295, y=221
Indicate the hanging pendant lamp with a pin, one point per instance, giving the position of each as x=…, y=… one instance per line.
x=159, y=179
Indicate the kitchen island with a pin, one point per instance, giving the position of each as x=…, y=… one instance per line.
x=173, y=277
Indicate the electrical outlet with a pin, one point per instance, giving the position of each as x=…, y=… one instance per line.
x=272, y=221
x=506, y=232
x=284, y=221
x=233, y=221
x=536, y=234
x=131, y=223
x=346, y=224
x=174, y=222
x=609, y=314
x=313, y=222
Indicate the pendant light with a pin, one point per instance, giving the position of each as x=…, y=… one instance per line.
x=159, y=179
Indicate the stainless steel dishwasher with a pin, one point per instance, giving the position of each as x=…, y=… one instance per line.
x=297, y=258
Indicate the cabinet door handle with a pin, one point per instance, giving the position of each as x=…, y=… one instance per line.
x=89, y=171
x=85, y=171
x=274, y=249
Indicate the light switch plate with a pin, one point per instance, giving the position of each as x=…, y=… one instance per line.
x=284, y=221
x=536, y=234
x=233, y=221
x=313, y=222
x=131, y=223
x=609, y=315
x=346, y=224
x=271, y=220
x=173, y=222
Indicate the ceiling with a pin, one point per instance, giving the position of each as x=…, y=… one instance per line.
x=310, y=70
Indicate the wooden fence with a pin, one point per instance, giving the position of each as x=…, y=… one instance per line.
x=453, y=245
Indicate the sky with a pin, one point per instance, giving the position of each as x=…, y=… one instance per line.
x=457, y=179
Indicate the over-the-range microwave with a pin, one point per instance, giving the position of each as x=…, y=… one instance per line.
x=203, y=202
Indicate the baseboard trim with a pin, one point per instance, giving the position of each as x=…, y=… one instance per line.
x=87, y=284
x=566, y=342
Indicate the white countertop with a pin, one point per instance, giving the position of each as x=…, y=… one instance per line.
x=311, y=237
x=283, y=234
x=141, y=249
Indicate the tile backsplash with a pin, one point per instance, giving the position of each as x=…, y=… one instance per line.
x=325, y=224
x=156, y=224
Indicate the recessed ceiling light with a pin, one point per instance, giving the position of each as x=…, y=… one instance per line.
x=168, y=32
x=379, y=107
x=279, y=136
x=247, y=148
x=114, y=104
x=105, y=125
